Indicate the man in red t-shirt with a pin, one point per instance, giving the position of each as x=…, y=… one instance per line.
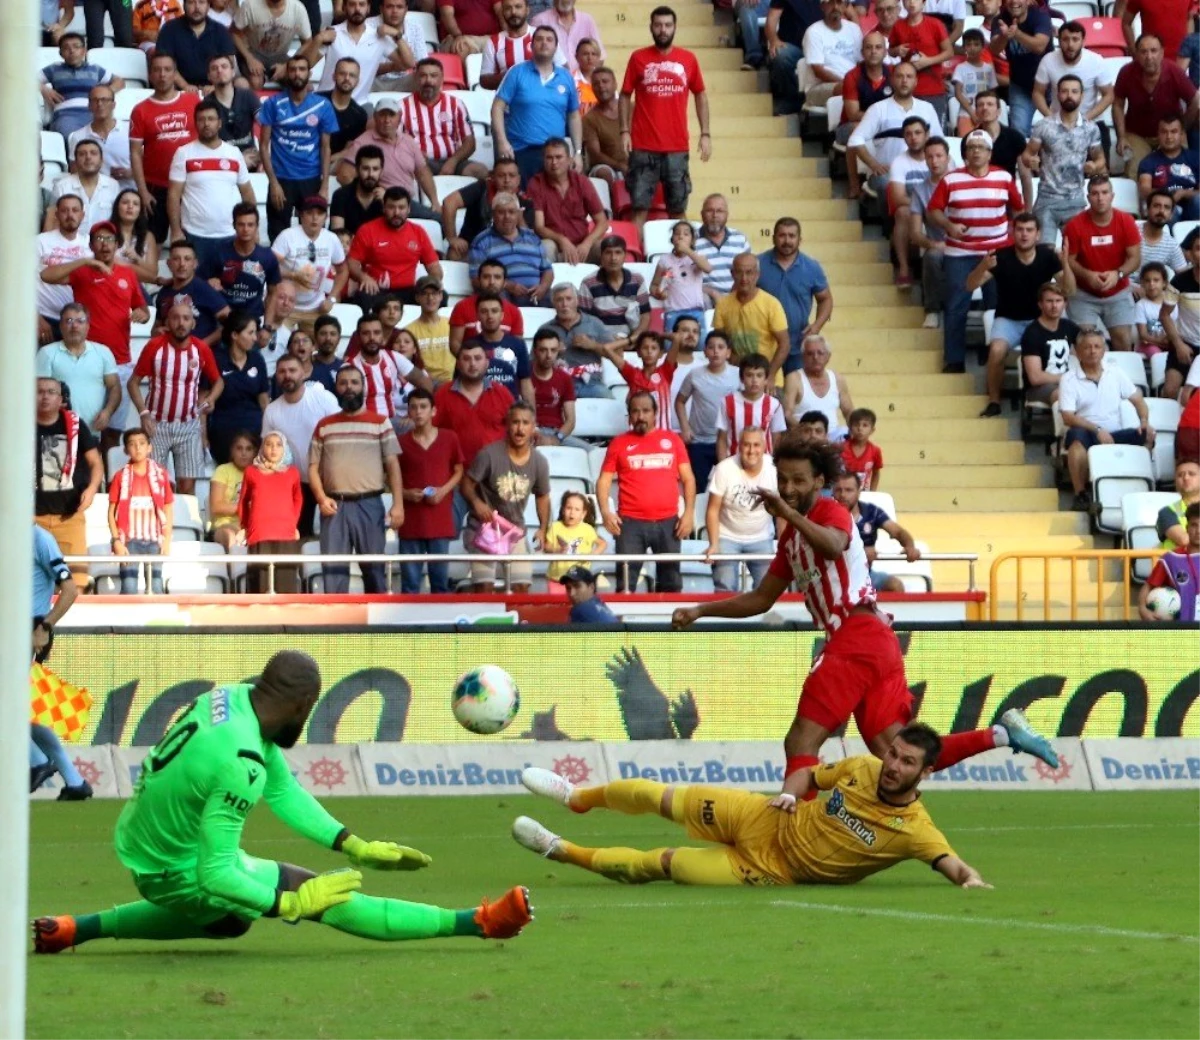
x=464, y=319
x=431, y=468
x=651, y=467
x=113, y=296
x=655, y=133
x=1166, y=19
x=553, y=394
x=1145, y=90
x=1103, y=247
x=157, y=127
x=384, y=255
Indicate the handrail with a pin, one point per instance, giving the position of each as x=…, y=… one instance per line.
x=389, y=560
x=1074, y=557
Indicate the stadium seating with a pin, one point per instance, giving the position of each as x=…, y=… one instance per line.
x=568, y=464
x=573, y=274
x=127, y=62
x=599, y=418
x=1139, y=519
x=1131, y=364
x=1117, y=470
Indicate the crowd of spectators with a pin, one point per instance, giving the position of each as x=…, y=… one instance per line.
x=306, y=422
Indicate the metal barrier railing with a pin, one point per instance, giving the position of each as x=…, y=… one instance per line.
x=1073, y=559
x=504, y=562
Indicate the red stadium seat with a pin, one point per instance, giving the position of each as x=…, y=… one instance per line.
x=622, y=205
x=1105, y=37
x=455, y=76
x=627, y=230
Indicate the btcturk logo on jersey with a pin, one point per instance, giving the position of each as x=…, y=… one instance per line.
x=836, y=807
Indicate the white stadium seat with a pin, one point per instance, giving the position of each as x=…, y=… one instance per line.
x=1117, y=470
x=127, y=62
x=54, y=152
x=473, y=67
x=184, y=573
x=573, y=274
x=1125, y=194
x=568, y=464
x=598, y=417
x=1130, y=362
x=127, y=100
x=1139, y=520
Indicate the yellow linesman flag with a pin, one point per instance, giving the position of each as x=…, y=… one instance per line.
x=57, y=704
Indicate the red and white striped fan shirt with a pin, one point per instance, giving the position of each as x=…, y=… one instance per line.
x=175, y=374
x=502, y=52
x=980, y=204
x=440, y=128
x=737, y=413
x=831, y=588
x=383, y=381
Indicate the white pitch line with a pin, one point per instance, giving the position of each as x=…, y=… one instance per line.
x=991, y=922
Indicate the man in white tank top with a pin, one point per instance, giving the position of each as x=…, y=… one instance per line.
x=817, y=388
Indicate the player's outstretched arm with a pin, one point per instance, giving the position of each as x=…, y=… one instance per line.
x=747, y=604
x=959, y=873
x=305, y=815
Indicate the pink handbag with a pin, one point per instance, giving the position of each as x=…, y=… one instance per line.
x=498, y=536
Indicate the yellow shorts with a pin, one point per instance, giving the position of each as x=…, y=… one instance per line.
x=743, y=822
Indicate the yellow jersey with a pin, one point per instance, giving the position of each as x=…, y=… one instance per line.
x=855, y=833
x=751, y=327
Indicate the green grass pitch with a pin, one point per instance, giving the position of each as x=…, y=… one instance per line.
x=1091, y=932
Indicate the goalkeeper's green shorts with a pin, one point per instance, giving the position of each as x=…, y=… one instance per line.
x=180, y=890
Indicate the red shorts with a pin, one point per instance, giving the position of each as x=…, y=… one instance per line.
x=861, y=673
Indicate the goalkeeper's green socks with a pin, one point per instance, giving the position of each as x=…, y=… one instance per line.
x=140, y=920
x=392, y=920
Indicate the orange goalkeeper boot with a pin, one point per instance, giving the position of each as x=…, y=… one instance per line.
x=505, y=917
x=53, y=934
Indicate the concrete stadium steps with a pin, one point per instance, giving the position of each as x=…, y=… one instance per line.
x=961, y=484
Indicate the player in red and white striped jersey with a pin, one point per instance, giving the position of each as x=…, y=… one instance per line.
x=386, y=374
x=440, y=124
x=175, y=363
x=750, y=406
x=860, y=672
x=511, y=47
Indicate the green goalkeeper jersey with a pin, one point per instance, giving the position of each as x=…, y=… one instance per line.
x=196, y=789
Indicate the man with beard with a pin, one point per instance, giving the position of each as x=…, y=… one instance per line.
x=654, y=131
x=508, y=357
x=174, y=363
x=872, y=820
x=352, y=460
x=1073, y=58
x=180, y=835
x=295, y=414
x=440, y=124
x=474, y=201
x=606, y=156
x=1158, y=244
x=193, y=41
x=374, y=46
x=514, y=45
x=652, y=469
x=1067, y=151
x=351, y=116
x=385, y=252
x=861, y=670
x=111, y=299
x=403, y=164
x=295, y=145
x=384, y=372
x=361, y=200
x=238, y=107
x=60, y=246
x=97, y=189
x=718, y=243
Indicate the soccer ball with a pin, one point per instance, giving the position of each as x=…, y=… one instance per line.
x=485, y=700
x=1164, y=604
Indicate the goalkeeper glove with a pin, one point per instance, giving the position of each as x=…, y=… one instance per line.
x=318, y=894
x=383, y=855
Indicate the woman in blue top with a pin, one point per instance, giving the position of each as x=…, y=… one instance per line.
x=247, y=385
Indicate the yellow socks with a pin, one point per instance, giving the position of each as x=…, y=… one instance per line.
x=631, y=797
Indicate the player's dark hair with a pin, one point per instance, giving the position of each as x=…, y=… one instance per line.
x=663, y=12
x=589, y=510
x=914, y=121
x=924, y=737
x=209, y=104
x=642, y=393
x=941, y=142
x=518, y=406
x=544, y=334
x=419, y=393
x=290, y=674
x=1066, y=27
x=181, y=243
x=816, y=417
x=397, y=194
x=366, y=319
x=1070, y=77
x=1157, y=268
x=825, y=458
x=973, y=36
x=988, y=93
x=129, y=434
x=851, y=475
x=647, y=334
x=492, y=261
x=753, y=362
x=245, y=435
x=488, y=297
x=862, y=413
x=718, y=334
x=1189, y=240
x=324, y=321
x=1026, y=217
x=245, y=209
x=370, y=151
x=1192, y=512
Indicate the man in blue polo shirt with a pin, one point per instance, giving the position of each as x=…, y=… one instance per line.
x=795, y=279
x=294, y=145
x=243, y=271
x=193, y=41
x=528, y=274
x=67, y=84
x=537, y=101
x=586, y=607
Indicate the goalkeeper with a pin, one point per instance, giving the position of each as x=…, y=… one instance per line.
x=180, y=835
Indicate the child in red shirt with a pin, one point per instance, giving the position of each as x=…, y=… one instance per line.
x=141, y=510
x=269, y=511
x=859, y=455
x=652, y=377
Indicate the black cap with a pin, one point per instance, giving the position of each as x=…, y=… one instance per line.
x=578, y=573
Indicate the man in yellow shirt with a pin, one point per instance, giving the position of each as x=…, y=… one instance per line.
x=872, y=820
x=752, y=319
x=431, y=329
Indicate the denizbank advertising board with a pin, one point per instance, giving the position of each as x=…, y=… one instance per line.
x=702, y=685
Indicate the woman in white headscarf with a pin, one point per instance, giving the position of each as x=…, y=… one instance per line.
x=269, y=510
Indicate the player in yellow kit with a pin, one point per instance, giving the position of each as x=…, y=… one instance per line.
x=872, y=819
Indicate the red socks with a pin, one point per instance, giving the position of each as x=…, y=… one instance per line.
x=957, y=746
